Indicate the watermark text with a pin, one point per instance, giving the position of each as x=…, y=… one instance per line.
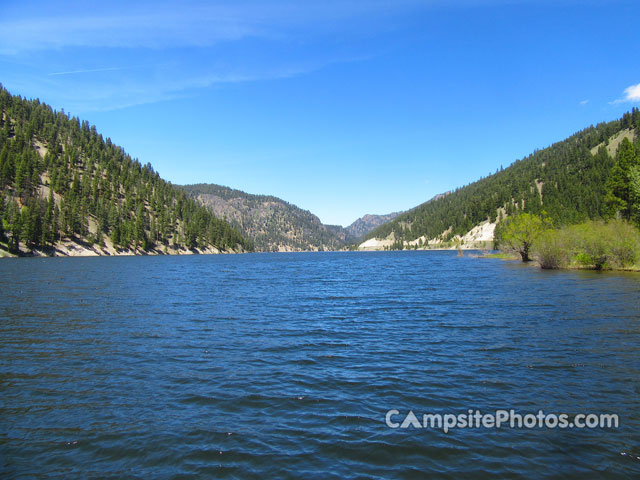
x=499, y=419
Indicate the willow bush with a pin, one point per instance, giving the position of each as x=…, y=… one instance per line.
x=594, y=244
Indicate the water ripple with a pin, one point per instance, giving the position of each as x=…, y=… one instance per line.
x=284, y=366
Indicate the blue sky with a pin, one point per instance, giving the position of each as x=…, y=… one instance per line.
x=340, y=107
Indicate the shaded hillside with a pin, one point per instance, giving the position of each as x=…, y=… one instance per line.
x=366, y=224
x=565, y=181
x=270, y=222
x=64, y=188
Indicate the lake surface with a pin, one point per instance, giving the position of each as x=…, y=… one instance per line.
x=285, y=365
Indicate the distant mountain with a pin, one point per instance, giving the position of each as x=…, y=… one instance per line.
x=64, y=190
x=565, y=182
x=366, y=224
x=270, y=222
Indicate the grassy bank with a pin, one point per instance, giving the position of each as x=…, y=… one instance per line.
x=501, y=256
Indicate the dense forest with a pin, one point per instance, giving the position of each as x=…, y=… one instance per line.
x=271, y=223
x=567, y=183
x=61, y=181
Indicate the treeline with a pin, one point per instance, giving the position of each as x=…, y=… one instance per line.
x=268, y=221
x=566, y=181
x=60, y=179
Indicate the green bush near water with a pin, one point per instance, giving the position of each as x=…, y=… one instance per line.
x=551, y=250
x=594, y=244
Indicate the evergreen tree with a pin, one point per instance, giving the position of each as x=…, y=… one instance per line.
x=634, y=194
x=2, y=217
x=619, y=192
x=14, y=226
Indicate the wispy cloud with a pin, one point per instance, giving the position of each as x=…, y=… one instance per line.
x=112, y=90
x=631, y=94
x=584, y=102
x=70, y=51
x=91, y=70
x=172, y=24
x=164, y=27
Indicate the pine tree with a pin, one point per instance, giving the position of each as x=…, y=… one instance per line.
x=2, y=215
x=47, y=224
x=140, y=233
x=618, y=186
x=6, y=167
x=14, y=226
x=21, y=177
x=634, y=194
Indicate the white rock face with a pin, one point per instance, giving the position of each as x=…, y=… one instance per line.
x=480, y=233
x=374, y=244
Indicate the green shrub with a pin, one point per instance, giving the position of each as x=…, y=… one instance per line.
x=623, y=244
x=552, y=249
x=591, y=244
x=594, y=244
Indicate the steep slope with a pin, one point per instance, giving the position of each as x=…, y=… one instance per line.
x=270, y=222
x=565, y=181
x=66, y=190
x=366, y=224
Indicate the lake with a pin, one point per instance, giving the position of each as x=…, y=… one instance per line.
x=286, y=366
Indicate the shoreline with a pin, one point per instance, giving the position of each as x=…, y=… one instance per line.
x=79, y=248
x=507, y=257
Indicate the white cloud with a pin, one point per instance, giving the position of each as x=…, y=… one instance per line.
x=584, y=102
x=631, y=94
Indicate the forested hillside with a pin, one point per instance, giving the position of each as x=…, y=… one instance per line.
x=566, y=182
x=61, y=182
x=270, y=222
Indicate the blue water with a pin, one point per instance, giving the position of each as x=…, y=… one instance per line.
x=284, y=366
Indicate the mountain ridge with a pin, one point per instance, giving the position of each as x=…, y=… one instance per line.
x=272, y=223
x=368, y=222
x=297, y=229
x=564, y=182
